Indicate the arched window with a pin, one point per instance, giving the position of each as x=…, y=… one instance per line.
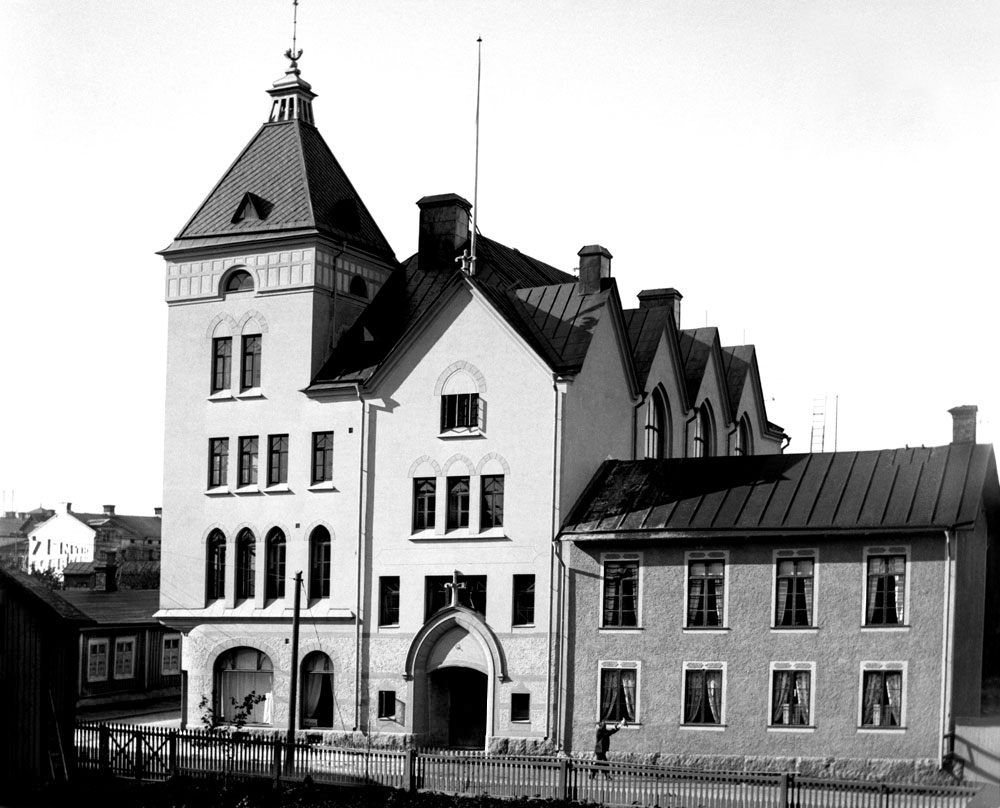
x=656, y=425
x=242, y=677
x=743, y=442
x=246, y=564
x=239, y=281
x=274, y=580
x=704, y=439
x=317, y=690
x=358, y=287
x=319, y=563
x=215, y=573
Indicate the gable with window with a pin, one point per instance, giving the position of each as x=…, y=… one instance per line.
x=461, y=388
x=706, y=589
x=886, y=586
x=620, y=590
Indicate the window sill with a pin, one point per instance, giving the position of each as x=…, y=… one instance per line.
x=520, y=721
x=222, y=395
x=278, y=488
x=461, y=432
x=705, y=630
x=880, y=730
x=805, y=728
x=323, y=486
x=704, y=727
x=889, y=627
x=388, y=626
x=253, y=392
x=247, y=489
x=522, y=626
x=620, y=629
x=219, y=491
x=794, y=629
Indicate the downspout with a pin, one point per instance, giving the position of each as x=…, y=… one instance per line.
x=555, y=571
x=947, y=651
x=360, y=548
x=635, y=427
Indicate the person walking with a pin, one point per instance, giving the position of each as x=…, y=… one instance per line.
x=601, y=744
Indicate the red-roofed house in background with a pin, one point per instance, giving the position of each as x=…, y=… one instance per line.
x=409, y=436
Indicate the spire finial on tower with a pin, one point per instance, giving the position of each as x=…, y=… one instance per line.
x=293, y=54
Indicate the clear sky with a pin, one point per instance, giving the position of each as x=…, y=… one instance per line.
x=817, y=178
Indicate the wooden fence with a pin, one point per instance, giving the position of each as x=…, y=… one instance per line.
x=155, y=753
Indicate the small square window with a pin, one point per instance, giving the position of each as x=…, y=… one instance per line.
x=520, y=706
x=387, y=704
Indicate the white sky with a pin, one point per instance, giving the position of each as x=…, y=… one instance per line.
x=817, y=178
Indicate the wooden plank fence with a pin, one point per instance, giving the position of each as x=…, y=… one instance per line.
x=156, y=753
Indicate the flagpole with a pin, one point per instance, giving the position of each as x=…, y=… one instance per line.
x=475, y=186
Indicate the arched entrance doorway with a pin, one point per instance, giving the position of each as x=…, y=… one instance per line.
x=457, y=707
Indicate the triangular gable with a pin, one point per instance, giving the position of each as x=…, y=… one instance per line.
x=251, y=208
x=651, y=331
x=743, y=373
x=700, y=347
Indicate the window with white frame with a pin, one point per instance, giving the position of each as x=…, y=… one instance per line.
x=883, y=695
x=170, y=660
x=792, y=694
x=125, y=657
x=886, y=586
x=460, y=388
x=97, y=660
x=618, y=698
x=704, y=694
x=620, y=590
x=706, y=589
x=794, y=588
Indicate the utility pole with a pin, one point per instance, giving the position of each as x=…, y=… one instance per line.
x=293, y=689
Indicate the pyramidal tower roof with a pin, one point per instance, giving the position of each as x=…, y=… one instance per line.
x=286, y=182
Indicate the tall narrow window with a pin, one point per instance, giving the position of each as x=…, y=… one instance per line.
x=655, y=426
x=97, y=660
x=251, y=362
x=322, y=457
x=742, y=443
x=216, y=566
x=277, y=459
x=794, y=590
x=703, y=696
x=704, y=440
x=222, y=363
x=125, y=658
x=458, y=502
x=882, y=698
x=424, y=502
x=248, y=461
x=524, y=600
x=388, y=600
x=618, y=694
x=706, y=593
x=790, y=691
x=319, y=563
x=218, y=462
x=170, y=661
x=459, y=411
x=885, y=598
x=491, y=510
x=621, y=593
x=274, y=580
x=246, y=564
x=317, y=690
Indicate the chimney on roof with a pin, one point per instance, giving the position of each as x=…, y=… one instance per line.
x=662, y=298
x=963, y=421
x=10, y=514
x=106, y=573
x=158, y=512
x=65, y=507
x=109, y=510
x=595, y=265
x=444, y=231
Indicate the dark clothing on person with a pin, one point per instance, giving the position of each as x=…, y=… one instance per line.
x=601, y=744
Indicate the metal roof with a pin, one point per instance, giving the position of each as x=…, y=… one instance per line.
x=126, y=606
x=889, y=490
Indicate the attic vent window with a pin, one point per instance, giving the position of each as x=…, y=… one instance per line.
x=358, y=287
x=239, y=282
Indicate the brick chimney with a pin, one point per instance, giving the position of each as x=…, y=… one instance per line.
x=964, y=423
x=109, y=510
x=444, y=231
x=595, y=265
x=662, y=298
x=106, y=573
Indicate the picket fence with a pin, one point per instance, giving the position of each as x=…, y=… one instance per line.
x=156, y=753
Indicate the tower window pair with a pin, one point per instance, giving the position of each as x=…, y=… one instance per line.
x=222, y=363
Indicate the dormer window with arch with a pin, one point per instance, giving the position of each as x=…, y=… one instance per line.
x=239, y=281
x=358, y=287
x=656, y=427
x=704, y=438
x=463, y=409
x=742, y=440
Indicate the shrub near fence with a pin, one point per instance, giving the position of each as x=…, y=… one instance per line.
x=154, y=753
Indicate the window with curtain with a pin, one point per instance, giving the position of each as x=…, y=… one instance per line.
x=274, y=577
x=246, y=564
x=319, y=563
x=458, y=502
x=618, y=691
x=424, y=502
x=794, y=592
x=317, y=690
x=621, y=594
x=886, y=591
x=790, y=691
x=240, y=672
x=656, y=417
x=216, y=566
x=706, y=593
x=703, y=696
x=882, y=699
